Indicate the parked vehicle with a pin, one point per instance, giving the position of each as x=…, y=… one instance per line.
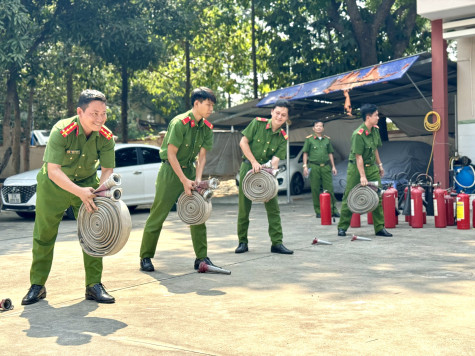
x=137, y=164
x=401, y=161
x=39, y=137
x=297, y=181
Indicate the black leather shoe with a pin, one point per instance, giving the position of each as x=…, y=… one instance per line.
x=336, y=215
x=383, y=232
x=98, y=293
x=281, y=249
x=146, y=265
x=341, y=232
x=318, y=216
x=205, y=260
x=242, y=247
x=35, y=293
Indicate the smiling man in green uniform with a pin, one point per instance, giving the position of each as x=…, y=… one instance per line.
x=68, y=178
x=263, y=140
x=188, y=137
x=364, y=165
x=318, y=153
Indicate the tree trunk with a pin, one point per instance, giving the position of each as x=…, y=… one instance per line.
x=253, y=40
x=124, y=104
x=16, y=147
x=7, y=136
x=29, y=121
x=188, y=103
x=69, y=93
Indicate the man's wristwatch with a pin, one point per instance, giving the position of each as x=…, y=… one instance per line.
x=380, y=165
x=304, y=166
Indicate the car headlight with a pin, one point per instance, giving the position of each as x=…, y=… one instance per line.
x=282, y=168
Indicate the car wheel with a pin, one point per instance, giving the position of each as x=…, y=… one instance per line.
x=296, y=184
x=70, y=213
x=26, y=214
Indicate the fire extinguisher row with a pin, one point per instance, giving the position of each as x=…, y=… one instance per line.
x=446, y=207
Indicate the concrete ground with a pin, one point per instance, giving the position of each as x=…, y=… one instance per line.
x=412, y=294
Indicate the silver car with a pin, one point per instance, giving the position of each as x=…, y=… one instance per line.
x=137, y=164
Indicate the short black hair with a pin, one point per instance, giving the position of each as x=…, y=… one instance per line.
x=367, y=109
x=89, y=95
x=282, y=103
x=316, y=122
x=201, y=94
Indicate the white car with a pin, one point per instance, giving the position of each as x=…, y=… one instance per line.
x=137, y=165
x=297, y=181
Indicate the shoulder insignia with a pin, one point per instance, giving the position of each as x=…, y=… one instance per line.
x=327, y=136
x=186, y=120
x=261, y=119
x=106, y=133
x=284, y=134
x=309, y=136
x=70, y=128
x=376, y=126
x=207, y=123
x=360, y=131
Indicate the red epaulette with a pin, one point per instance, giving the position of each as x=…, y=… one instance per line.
x=187, y=120
x=326, y=136
x=209, y=124
x=261, y=119
x=360, y=131
x=284, y=134
x=70, y=128
x=376, y=126
x=106, y=133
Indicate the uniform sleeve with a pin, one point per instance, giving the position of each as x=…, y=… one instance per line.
x=281, y=151
x=357, y=144
x=208, y=140
x=55, y=148
x=306, y=146
x=176, y=133
x=250, y=130
x=107, y=154
x=330, y=147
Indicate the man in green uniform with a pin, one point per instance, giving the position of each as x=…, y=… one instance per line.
x=189, y=136
x=364, y=166
x=68, y=178
x=317, y=158
x=263, y=140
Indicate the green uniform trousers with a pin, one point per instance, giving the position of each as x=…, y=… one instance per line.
x=272, y=208
x=168, y=188
x=352, y=179
x=321, y=176
x=51, y=202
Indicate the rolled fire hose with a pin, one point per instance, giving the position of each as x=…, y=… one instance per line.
x=105, y=231
x=363, y=199
x=261, y=186
x=194, y=209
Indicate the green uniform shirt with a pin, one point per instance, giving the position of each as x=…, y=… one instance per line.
x=188, y=135
x=265, y=143
x=78, y=155
x=318, y=149
x=365, y=142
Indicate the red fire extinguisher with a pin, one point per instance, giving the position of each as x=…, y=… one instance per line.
x=424, y=213
x=370, y=218
x=473, y=213
x=325, y=208
x=417, y=216
x=355, y=220
x=450, y=213
x=389, y=207
x=463, y=211
x=440, y=215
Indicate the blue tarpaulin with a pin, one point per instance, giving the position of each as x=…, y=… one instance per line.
x=378, y=73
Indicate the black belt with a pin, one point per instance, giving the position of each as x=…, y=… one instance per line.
x=365, y=164
x=168, y=162
x=318, y=164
